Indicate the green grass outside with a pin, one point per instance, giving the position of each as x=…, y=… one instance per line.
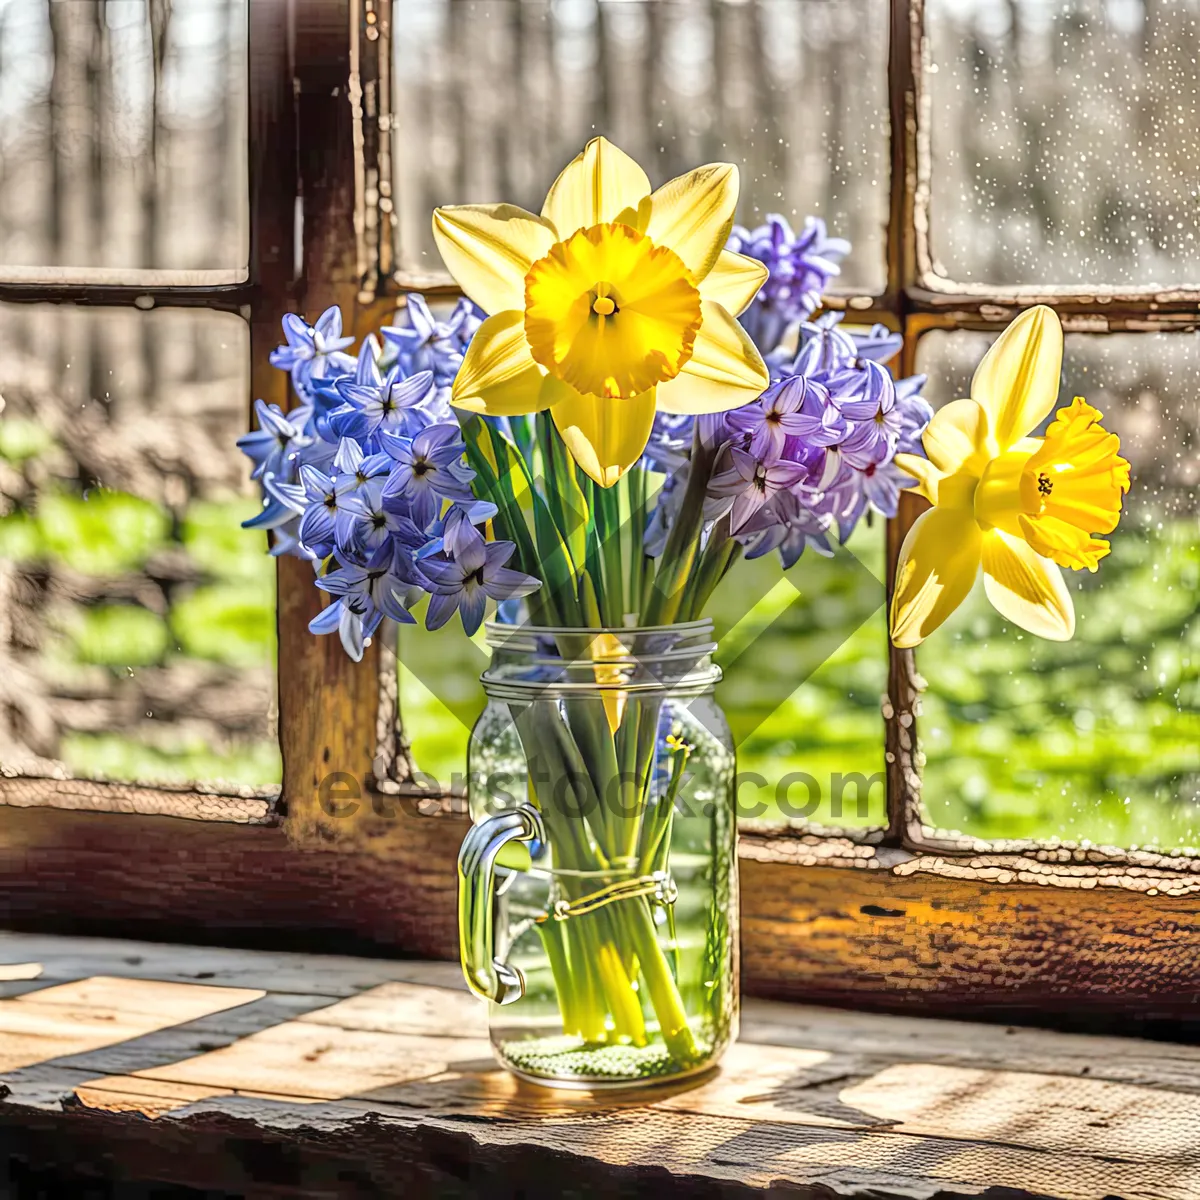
x=1097, y=739
x=228, y=617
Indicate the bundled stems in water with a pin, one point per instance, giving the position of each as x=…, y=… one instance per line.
x=594, y=758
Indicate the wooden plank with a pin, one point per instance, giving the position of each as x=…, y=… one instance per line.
x=1135, y=1124
x=384, y=996
x=381, y=1085
x=247, y=884
x=836, y=936
x=250, y=806
x=304, y=1062
x=348, y=737
x=949, y=935
x=327, y=976
x=73, y=1018
x=10, y=972
x=942, y=304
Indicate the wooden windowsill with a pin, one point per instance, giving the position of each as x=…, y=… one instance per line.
x=258, y=1073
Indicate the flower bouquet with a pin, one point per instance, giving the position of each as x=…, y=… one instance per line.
x=591, y=441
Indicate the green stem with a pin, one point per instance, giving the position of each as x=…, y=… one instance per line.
x=635, y=490
x=683, y=542
x=719, y=555
x=553, y=935
x=664, y=993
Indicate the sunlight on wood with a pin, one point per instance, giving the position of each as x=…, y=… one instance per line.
x=125, y=1093
x=408, y=1008
x=760, y=1083
x=814, y=1097
x=896, y=1157
x=306, y=1062
x=387, y=1037
x=10, y=972
x=1047, y=1112
x=74, y=1018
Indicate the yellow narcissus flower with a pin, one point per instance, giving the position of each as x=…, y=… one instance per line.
x=1021, y=507
x=612, y=302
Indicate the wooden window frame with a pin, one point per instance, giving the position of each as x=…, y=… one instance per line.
x=892, y=917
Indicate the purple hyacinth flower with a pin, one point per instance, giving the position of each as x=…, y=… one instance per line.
x=824, y=348
x=272, y=444
x=367, y=521
x=313, y=351
x=426, y=344
x=321, y=506
x=467, y=582
x=356, y=474
x=915, y=414
x=748, y=483
x=670, y=442
x=790, y=524
x=877, y=486
x=391, y=406
x=386, y=586
x=867, y=398
x=879, y=344
x=428, y=469
x=451, y=532
x=793, y=407
x=882, y=486
x=799, y=270
x=282, y=506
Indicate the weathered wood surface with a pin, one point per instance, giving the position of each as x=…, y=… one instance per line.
x=206, y=880
x=915, y=940
x=288, y=1075
x=862, y=925
x=246, y=806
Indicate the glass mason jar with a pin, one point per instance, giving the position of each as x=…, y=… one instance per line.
x=598, y=906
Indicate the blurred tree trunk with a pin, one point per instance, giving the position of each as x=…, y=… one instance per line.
x=73, y=239
x=98, y=77
x=158, y=14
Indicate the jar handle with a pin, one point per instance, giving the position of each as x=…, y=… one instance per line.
x=486, y=975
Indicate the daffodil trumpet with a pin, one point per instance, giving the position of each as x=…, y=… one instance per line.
x=613, y=303
x=1018, y=507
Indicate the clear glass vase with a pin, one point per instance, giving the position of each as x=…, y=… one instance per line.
x=598, y=907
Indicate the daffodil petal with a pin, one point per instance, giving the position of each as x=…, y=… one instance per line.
x=498, y=376
x=489, y=248
x=605, y=437
x=1026, y=588
x=734, y=281
x=924, y=472
x=957, y=436
x=693, y=214
x=724, y=372
x=593, y=188
x=937, y=566
x=1017, y=382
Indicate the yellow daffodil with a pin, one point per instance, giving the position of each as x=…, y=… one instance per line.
x=614, y=301
x=1019, y=506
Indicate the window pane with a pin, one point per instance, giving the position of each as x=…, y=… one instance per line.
x=1097, y=738
x=1064, y=140
x=123, y=137
x=495, y=96
x=805, y=662
x=137, y=620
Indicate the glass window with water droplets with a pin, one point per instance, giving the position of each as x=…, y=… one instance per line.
x=137, y=623
x=1063, y=140
x=1096, y=739
x=492, y=97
